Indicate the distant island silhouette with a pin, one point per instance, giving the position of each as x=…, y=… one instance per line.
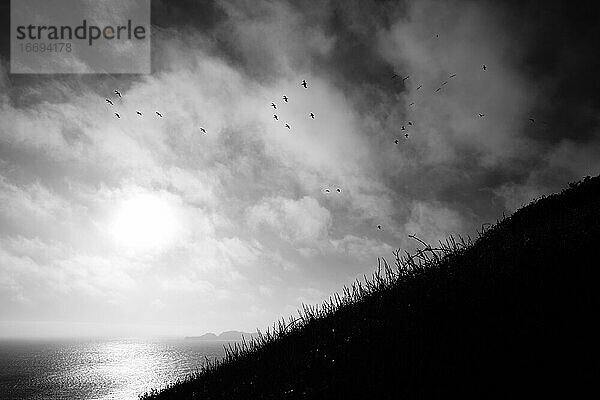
x=224, y=336
x=510, y=313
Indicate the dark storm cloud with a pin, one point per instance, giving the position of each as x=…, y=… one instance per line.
x=556, y=49
x=559, y=44
x=553, y=48
x=555, y=45
x=200, y=15
x=4, y=31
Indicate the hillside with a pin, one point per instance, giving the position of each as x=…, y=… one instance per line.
x=512, y=313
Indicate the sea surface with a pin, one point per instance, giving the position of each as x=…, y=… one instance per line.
x=113, y=369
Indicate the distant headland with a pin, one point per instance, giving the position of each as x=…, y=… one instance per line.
x=228, y=336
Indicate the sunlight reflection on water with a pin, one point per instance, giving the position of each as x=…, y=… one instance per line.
x=97, y=369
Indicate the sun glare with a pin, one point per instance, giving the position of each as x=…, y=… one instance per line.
x=145, y=222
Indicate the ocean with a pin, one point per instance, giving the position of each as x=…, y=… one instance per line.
x=115, y=369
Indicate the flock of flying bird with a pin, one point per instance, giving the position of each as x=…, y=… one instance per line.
x=312, y=115
x=139, y=113
x=438, y=89
x=286, y=99
x=287, y=125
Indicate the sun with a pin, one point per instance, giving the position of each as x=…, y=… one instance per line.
x=145, y=222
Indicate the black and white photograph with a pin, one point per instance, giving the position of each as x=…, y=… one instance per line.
x=299, y=199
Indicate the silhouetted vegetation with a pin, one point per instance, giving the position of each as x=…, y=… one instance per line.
x=511, y=313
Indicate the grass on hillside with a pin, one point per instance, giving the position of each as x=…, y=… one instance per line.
x=511, y=313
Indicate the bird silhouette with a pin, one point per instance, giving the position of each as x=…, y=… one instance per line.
x=394, y=76
x=118, y=93
x=438, y=89
x=409, y=123
x=138, y=113
x=379, y=227
x=327, y=190
x=285, y=99
x=396, y=141
x=403, y=128
x=275, y=117
x=532, y=120
x=452, y=76
x=412, y=104
x=304, y=83
x=481, y=115
x=288, y=126
x=118, y=116
x=406, y=135
x=419, y=87
x=339, y=190
x=445, y=83
x=273, y=105
x=484, y=67
x=312, y=115
x=159, y=114
x=405, y=78
x=109, y=102
x=203, y=130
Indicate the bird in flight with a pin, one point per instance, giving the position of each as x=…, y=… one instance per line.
x=285, y=99
x=118, y=116
x=409, y=123
x=403, y=128
x=532, y=120
x=420, y=86
x=288, y=126
x=339, y=190
x=275, y=117
x=438, y=89
x=312, y=115
x=138, y=113
x=203, y=130
x=445, y=83
x=396, y=141
x=484, y=67
x=304, y=83
x=118, y=93
x=109, y=102
x=481, y=115
x=394, y=76
x=405, y=78
x=379, y=227
x=452, y=76
x=327, y=190
x=273, y=105
x=406, y=135
x=159, y=114
x=412, y=104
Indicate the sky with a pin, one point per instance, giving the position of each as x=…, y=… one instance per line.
x=146, y=226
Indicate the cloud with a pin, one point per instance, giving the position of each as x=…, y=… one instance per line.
x=31, y=200
x=44, y=272
x=438, y=41
x=256, y=230
x=432, y=222
x=302, y=220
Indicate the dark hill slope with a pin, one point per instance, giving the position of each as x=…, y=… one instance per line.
x=512, y=314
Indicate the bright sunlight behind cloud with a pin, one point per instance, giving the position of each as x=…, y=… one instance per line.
x=145, y=222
